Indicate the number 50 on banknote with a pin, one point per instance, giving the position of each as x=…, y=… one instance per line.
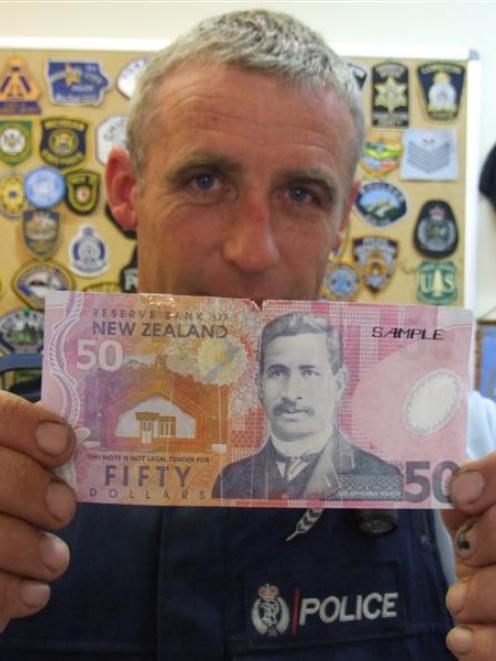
x=190, y=401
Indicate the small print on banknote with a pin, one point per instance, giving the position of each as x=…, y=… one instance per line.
x=179, y=400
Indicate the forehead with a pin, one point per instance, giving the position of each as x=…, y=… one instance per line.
x=297, y=350
x=210, y=99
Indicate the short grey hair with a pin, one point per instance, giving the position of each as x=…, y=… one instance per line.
x=257, y=40
x=300, y=323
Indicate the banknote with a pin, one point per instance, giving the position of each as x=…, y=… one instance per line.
x=179, y=400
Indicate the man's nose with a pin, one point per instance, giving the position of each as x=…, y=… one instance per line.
x=292, y=388
x=251, y=243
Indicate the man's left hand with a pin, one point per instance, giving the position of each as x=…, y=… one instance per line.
x=472, y=526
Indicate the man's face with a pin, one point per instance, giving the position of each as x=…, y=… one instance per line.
x=299, y=390
x=246, y=184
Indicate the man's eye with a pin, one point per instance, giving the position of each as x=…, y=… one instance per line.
x=310, y=372
x=204, y=182
x=300, y=194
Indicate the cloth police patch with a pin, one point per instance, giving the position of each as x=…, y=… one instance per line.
x=33, y=280
x=390, y=97
x=380, y=204
x=19, y=93
x=436, y=233
x=44, y=187
x=442, y=85
x=430, y=155
x=381, y=155
x=83, y=189
x=21, y=330
x=63, y=141
x=376, y=257
x=128, y=276
x=16, y=143
x=359, y=74
x=436, y=282
x=76, y=82
x=88, y=253
x=40, y=229
x=12, y=198
x=341, y=282
x=327, y=604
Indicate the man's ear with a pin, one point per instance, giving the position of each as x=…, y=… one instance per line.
x=120, y=181
x=340, y=235
x=341, y=381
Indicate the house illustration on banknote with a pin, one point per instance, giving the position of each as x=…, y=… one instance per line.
x=149, y=407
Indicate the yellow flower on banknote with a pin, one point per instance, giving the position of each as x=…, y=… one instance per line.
x=221, y=360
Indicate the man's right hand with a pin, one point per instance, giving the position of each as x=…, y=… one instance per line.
x=33, y=441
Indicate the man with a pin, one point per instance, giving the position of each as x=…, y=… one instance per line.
x=243, y=141
x=302, y=379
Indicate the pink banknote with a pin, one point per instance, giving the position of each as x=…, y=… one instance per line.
x=179, y=400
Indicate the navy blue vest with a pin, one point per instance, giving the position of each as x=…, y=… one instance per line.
x=183, y=584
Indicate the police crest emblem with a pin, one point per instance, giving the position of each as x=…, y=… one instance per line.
x=19, y=93
x=442, y=86
x=390, y=97
x=83, y=188
x=341, y=282
x=12, y=198
x=270, y=612
x=88, y=253
x=16, y=143
x=21, y=330
x=376, y=258
x=436, y=282
x=63, y=141
x=40, y=228
x=76, y=82
x=436, y=233
x=128, y=276
x=33, y=280
x=381, y=155
x=380, y=204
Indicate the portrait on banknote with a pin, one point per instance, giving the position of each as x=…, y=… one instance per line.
x=179, y=400
x=301, y=378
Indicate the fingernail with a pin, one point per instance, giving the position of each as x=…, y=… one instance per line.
x=54, y=552
x=455, y=599
x=466, y=539
x=466, y=487
x=34, y=594
x=460, y=640
x=60, y=501
x=52, y=437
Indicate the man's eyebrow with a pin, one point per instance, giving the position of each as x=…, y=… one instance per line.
x=197, y=160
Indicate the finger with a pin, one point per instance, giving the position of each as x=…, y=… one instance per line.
x=475, y=540
x=473, y=599
x=35, y=431
x=474, y=643
x=32, y=493
x=30, y=552
x=473, y=487
x=20, y=597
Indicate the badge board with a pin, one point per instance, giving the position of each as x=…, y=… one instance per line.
x=62, y=107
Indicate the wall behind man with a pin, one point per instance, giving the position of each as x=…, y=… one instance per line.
x=398, y=24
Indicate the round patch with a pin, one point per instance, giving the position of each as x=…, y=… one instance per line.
x=44, y=187
x=432, y=402
x=341, y=282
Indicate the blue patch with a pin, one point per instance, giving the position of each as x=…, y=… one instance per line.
x=76, y=83
x=380, y=204
x=44, y=187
